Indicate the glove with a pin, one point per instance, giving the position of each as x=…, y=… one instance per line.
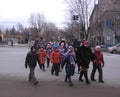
x=102, y=62
x=103, y=65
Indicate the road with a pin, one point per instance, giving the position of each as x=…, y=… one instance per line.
x=13, y=78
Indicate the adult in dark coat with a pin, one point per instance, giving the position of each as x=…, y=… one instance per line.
x=84, y=56
x=31, y=62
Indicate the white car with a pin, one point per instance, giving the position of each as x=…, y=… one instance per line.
x=114, y=49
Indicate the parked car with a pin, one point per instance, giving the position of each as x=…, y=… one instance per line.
x=114, y=49
x=104, y=48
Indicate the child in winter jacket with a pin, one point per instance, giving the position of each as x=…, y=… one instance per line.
x=98, y=63
x=56, y=59
x=70, y=67
x=42, y=58
x=31, y=62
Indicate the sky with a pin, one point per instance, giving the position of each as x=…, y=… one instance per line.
x=14, y=11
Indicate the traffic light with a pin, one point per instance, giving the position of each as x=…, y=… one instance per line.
x=75, y=17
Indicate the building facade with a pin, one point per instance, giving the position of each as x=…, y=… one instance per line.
x=105, y=23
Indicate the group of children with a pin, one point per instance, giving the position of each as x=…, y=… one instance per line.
x=59, y=56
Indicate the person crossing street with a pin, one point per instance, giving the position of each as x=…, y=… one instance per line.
x=31, y=62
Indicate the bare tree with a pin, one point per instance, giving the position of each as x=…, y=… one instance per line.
x=13, y=30
x=2, y=29
x=20, y=28
x=79, y=8
x=37, y=21
x=50, y=30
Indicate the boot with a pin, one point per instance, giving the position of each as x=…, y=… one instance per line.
x=66, y=79
x=86, y=77
x=29, y=78
x=35, y=82
x=101, y=81
x=52, y=72
x=70, y=82
x=92, y=79
x=80, y=77
x=43, y=69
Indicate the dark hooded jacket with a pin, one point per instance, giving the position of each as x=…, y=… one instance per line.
x=84, y=56
x=31, y=58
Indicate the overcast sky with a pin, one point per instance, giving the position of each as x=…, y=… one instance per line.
x=13, y=11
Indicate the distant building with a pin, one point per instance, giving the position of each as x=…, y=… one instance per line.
x=105, y=23
x=15, y=38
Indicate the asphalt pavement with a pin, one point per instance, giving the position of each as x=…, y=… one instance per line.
x=14, y=78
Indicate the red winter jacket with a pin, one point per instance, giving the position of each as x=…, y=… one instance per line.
x=56, y=57
x=98, y=58
x=42, y=56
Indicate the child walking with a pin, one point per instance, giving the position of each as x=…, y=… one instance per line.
x=98, y=63
x=42, y=57
x=70, y=67
x=31, y=62
x=56, y=59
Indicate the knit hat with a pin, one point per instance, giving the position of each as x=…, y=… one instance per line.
x=97, y=47
x=70, y=47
